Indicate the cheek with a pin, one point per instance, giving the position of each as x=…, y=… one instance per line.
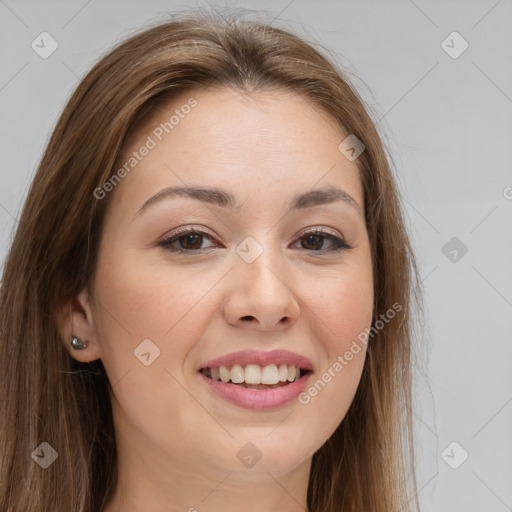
x=341, y=310
x=138, y=302
x=341, y=305
x=349, y=317
x=161, y=312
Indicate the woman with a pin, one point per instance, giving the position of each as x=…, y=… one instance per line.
x=269, y=368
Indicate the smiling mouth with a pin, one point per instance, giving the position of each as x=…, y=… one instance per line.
x=253, y=376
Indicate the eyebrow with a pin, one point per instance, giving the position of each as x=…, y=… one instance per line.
x=225, y=199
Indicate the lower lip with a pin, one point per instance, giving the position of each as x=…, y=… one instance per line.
x=257, y=399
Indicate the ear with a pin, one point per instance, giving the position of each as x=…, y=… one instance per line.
x=74, y=318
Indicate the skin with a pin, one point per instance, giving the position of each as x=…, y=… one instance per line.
x=177, y=442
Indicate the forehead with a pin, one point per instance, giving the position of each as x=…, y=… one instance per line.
x=275, y=139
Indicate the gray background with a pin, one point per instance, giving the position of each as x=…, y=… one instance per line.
x=448, y=124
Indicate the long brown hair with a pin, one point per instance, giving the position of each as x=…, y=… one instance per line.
x=47, y=396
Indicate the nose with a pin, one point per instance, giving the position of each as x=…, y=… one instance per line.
x=261, y=295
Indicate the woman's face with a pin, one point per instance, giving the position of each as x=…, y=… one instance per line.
x=256, y=278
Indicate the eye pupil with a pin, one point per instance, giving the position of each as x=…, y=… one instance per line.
x=190, y=238
x=317, y=238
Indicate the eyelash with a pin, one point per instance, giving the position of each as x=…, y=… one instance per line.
x=339, y=243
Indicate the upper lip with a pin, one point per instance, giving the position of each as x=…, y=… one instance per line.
x=261, y=358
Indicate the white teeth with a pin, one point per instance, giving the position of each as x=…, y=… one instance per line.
x=252, y=374
x=225, y=375
x=255, y=374
x=270, y=374
x=237, y=374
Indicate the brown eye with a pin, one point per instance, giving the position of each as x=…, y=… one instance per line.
x=189, y=240
x=314, y=241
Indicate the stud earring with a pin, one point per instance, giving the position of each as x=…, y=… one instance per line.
x=77, y=343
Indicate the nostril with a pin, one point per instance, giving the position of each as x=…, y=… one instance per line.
x=247, y=317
